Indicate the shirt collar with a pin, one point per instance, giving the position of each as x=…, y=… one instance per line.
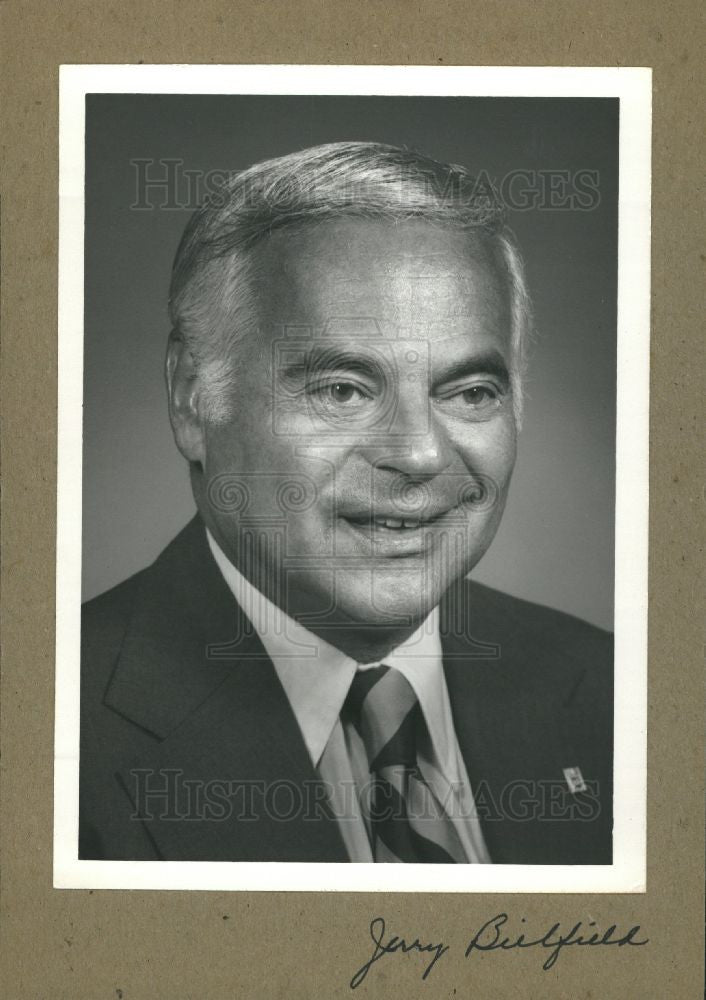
x=316, y=676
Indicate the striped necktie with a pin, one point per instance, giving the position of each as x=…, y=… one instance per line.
x=408, y=824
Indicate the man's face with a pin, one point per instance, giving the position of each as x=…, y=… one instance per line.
x=367, y=460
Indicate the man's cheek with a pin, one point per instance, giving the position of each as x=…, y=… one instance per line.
x=495, y=460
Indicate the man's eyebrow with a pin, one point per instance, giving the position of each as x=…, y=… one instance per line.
x=489, y=363
x=330, y=358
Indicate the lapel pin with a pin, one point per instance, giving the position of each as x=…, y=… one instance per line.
x=574, y=779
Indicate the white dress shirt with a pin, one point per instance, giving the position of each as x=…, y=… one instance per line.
x=316, y=677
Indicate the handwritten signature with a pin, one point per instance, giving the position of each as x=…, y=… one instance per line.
x=492, y=936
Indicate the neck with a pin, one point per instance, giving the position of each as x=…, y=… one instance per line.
x=364, y=644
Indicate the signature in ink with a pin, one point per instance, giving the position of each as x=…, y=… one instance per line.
x=491, y=937
x=395, y=944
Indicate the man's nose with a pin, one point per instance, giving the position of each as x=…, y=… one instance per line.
x=417, y=443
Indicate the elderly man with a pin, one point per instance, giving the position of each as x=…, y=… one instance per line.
x=306, y=673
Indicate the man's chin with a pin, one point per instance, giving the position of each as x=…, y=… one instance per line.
x=395, y=598
x=396, y=607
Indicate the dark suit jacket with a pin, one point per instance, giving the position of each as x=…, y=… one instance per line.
x=190, y=751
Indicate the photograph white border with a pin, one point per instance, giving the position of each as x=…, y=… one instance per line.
x=633, y=87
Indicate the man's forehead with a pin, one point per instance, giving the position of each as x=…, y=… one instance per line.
x=403, y=275
x=389, y=278
x=417, y=245
x=451, y=261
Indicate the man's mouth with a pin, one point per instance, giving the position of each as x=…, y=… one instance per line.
x=392, y=534
x=390, y=522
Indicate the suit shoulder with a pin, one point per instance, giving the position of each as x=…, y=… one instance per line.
x=111, y=609
x=104, y=623
x=537, y=630
x=534, y=617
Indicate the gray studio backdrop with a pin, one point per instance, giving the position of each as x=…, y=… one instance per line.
x=558, y=161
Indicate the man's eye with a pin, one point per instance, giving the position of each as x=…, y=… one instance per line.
x=343, y=392
x=339, y=393
x=478, y=395
x=474, y=402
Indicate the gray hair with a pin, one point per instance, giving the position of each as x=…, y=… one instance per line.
x=211, y=300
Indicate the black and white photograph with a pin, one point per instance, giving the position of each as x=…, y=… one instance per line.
x=352, y=478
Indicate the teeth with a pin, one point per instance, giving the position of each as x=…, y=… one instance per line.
x=397, y=522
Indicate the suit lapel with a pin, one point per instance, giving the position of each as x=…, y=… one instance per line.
x=227, y=750
x=509, y=722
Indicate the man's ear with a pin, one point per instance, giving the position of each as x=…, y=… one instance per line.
x=184, y=402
